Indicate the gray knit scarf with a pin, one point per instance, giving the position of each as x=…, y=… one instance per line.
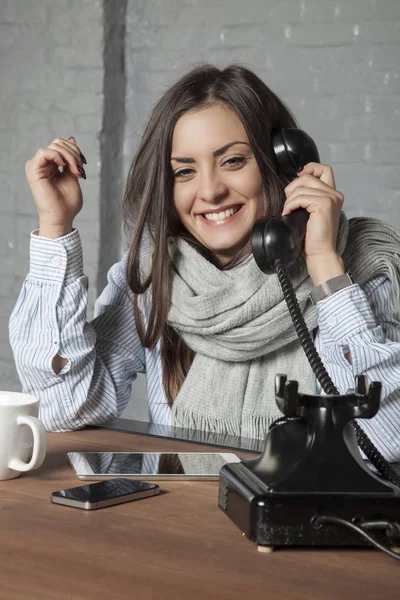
x=238, y=324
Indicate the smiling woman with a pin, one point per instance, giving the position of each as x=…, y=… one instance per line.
x=187, y=303
x=207, y=148
x=218, y=194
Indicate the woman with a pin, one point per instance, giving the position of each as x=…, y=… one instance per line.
x=187, y=304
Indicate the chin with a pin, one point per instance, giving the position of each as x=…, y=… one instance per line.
x=230, y=247
x=226, y=253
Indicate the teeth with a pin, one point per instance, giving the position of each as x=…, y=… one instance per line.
x=221, y=215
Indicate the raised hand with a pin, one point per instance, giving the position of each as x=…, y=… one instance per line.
x=314, y=189
x=57, y=194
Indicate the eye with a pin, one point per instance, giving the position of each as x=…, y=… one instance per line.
x=183, y=173
x=234, y=161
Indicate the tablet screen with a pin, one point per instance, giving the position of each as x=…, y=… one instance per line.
x=150, y=464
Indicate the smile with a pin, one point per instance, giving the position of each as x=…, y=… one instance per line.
x=222, y=217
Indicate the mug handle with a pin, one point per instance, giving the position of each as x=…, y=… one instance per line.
x=39, y=445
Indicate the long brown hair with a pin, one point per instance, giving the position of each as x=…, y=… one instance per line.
x=148, y=208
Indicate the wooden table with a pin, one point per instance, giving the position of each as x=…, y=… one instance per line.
x=178, y=545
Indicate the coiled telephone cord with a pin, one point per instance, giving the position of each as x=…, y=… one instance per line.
x=366, y=445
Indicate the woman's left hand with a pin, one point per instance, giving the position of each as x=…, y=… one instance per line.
x=314, y=189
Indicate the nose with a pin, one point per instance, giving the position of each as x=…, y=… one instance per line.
x=211, y=188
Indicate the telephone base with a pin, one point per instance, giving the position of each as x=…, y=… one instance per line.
x=274, y=519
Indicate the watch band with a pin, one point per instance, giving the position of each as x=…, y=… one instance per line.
x=327, y=288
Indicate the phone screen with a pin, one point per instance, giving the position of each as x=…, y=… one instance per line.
x=104, y=490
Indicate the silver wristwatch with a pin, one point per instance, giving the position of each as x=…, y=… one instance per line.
x=330, y=287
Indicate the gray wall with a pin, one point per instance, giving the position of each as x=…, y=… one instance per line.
x=51, y=81
x=335, y=63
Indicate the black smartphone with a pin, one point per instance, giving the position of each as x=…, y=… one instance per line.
x=105, y=493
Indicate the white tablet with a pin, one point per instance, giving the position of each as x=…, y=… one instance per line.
x=150, y=465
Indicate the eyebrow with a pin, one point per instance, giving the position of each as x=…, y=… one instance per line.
x=219, y=152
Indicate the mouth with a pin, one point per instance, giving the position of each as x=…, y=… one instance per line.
x=221, y=217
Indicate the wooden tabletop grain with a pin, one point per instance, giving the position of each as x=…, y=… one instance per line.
x=176, y=545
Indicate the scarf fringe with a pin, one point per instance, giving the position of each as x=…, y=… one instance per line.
x=254, y=427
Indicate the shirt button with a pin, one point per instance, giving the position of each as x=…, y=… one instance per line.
x=332, y=321
x=55, y=261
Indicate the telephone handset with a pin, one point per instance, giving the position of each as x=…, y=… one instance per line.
x=282, y=237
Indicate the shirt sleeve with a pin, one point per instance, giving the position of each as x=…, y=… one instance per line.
x=363, y=321
x=50, y=318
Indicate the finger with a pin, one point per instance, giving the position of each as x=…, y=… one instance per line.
x=72, y=158
x=309, y=181
x=322, y=172
x=312, y=203
x=301, y=201
x=316, y=191
x=69, y=147
x=43, y=158
x=71, y=143
x=73, y=140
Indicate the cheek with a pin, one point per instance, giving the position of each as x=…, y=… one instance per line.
x=249, y=183
x=177, y=197
x=253, y=191
x=183, y=201
x=257, y=193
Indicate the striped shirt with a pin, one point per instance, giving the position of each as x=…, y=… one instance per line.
x=105, y=355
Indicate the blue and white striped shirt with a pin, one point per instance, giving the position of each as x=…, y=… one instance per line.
x=105, y=355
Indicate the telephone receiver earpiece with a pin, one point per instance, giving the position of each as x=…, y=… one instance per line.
x=293, y=149
x=283, y=237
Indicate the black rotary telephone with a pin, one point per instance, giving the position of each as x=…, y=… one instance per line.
x=310, y=486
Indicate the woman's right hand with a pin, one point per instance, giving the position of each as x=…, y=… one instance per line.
x=57, y=194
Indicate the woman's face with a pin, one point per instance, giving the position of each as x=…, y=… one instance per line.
x=217, y=189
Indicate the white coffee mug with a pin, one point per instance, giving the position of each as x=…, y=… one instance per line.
x=17, y=413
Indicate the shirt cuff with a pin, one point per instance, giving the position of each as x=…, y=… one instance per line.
x=345, y=314
x=56, y=260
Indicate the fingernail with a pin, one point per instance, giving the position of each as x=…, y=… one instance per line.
x=72, y=139
x=83, y=159
x=82, y=171
x=299, y=171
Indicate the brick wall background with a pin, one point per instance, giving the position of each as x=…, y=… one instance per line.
x=94, y=69
x=51, y=81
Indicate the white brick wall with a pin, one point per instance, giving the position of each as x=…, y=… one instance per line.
x=335, y=62
x=51, y=78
